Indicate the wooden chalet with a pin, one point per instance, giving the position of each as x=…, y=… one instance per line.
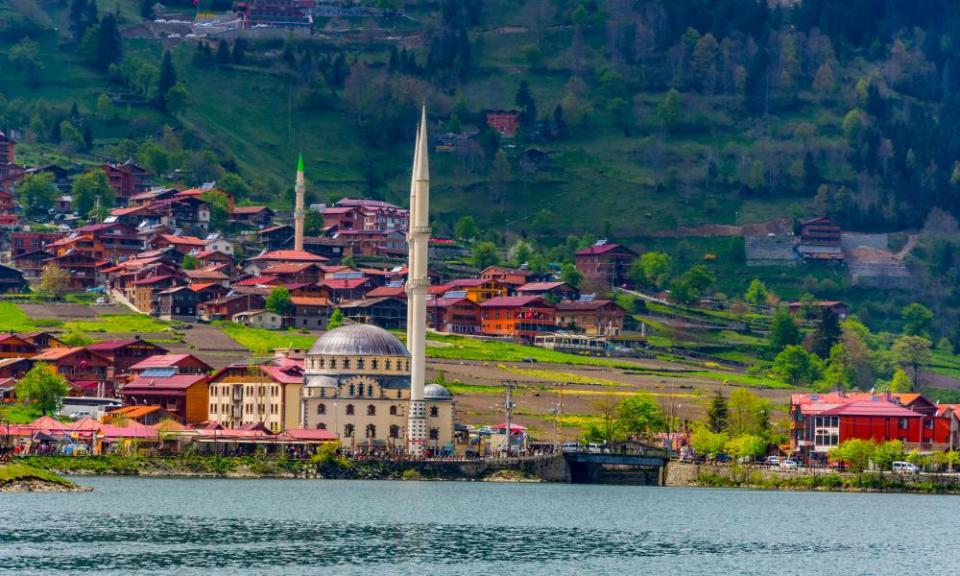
x=455, y=315
x=550, y=290
x=127, y=180
x=519, y=317
x=178, y=303
x=386, y=312
x=14, y=346
x=311, y=313
x=605, y=263
x=258, y=216
x=12, y=280
x=225, y=307
x=593, y=318
x=125, y=353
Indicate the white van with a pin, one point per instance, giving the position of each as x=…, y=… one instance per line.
x=905, y=468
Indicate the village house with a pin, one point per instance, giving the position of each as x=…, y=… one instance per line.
x=25, y=241
x=244, y=394
x=125, y=353
x=513, y=278
x=822, y=421
x=146, y=415
x=171, y=364
x=605, y=263
x=13, y=346
x=340, y=289
x=85, y=370
x=8, y=203
x=42, y=340
x=277, y=237
x=150, y=196
x=15, y=368
x=135, y=215
x=178, y=303
x=593, y=317
x=81, y=267
x=454, y=315
x=387, y=312
x=183, y=395
x=311, y=313
x=189, y=213
x=506, y=122
x=476, y=290
x=146, y=292
x=182, y=244
x=225, y=307
x=31, y=264
x=127, y=179
x=814, y=308
x=265, y=319
x=519, y=317
x=12, y=280
x=820, y=239
x=256, y=216
x=554, y=291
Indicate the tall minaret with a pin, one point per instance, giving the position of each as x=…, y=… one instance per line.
x=418, y=282
x=298, y=212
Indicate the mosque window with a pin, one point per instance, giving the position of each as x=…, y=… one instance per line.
x=370, y=390
x=321, y=409
x=360, y=390
x=371, y=410
x=360, y=364
x=333, y=363
x=434, y=411
x=393, y=410
x=353, y=390
x=346, y=363
x=434, y=433
x=373, y=364
x=348, y=431
x=394, y=431
x=399, y=393
x=371, y=431
x=323, y=362
x=389, y=365
x=349, y=409
x=321, y=426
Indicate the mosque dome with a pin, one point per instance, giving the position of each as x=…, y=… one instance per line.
x=359, y=340
x=436, y=392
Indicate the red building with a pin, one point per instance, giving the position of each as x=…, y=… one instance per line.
x=25, y=242
x=127, y=179
x=605, y=263
x=506, y=122
x=286, y=13
x=6, y=149
x=519, y=317
x=224, y=308
x=253, y=215
x=822, y=421
x=86, y=371
x=184, y=395
x=172, y=363
x=125, y=353
x=456, y=315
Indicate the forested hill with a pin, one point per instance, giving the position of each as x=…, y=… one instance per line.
x=653, y=114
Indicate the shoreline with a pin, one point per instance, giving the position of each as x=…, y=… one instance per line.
x=18, y=477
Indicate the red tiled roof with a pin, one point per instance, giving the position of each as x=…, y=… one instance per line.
x=183, y=240
x=600, y=249
x=386, y=291
x=343, y=283
x=291, y=255
x=165, y=361
x=309, y=301
x=111, y=345
x=249, y=209
x=446, y=302
x=540, y=286
x=514, y=302
x=581, y=305
x=256, y=281
x=877, y=407
x=466, y=282
x=152, y=280
x=176, y=383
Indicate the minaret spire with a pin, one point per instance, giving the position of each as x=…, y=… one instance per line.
x=418, y=281
x=299, y=214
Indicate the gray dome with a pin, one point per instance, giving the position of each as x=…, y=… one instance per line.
x=359, y=340
x=436, y=392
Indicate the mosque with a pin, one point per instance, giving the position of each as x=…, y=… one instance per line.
x=361, y=382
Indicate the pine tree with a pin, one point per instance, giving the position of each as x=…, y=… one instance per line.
x=717, y=413
x=109, y=48
x=166, y=81
x=78, y=19
x=223, y=52
x=827, y=334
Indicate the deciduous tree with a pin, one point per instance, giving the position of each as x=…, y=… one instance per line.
x=42, y=387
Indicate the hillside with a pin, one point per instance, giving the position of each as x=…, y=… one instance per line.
x=653, y=115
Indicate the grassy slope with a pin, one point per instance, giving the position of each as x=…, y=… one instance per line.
x=10, y=473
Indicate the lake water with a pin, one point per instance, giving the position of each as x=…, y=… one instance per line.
x=317, y=527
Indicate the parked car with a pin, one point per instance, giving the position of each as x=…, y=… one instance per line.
x=905, y=468
x=772, y=461
x=592, y=448
x=789, y=464
x=721, y=457
x=569, y=447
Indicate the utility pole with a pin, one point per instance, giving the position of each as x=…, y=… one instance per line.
x=557, y=415
x=508, y=406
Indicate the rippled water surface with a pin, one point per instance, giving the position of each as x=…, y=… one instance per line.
x=286, y=527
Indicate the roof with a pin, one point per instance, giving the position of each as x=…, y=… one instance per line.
x=343, y=283
x=386, y=291
x=877, y=407
x=602, y=249
x=309, y=301
x=176, y=384
x=256, y=281
x=111, y=345
x=514, y=302
x=184, y=240
x=58, y=353
x=359, y=340
x=308, y=434
x=466, y=282
x=153, y=280
x=165, y=361
x=288, y=267
x=447, y=302
x=250, y=209
x=540, y=286
x=291, y=255
x=581, y=305
x=135, y=411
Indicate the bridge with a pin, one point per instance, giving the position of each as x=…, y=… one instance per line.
x=591, y=468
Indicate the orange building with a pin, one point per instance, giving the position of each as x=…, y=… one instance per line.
x=13, y=346
x=183, y=395
x=519, y=317
x=476, y=290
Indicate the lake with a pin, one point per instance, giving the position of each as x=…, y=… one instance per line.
x=188, y=527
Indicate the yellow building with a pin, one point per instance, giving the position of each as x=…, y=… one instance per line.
x=246, y=394
x=357, y=385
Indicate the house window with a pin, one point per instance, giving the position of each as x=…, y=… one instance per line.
x=928, y=424
x=434, y=411
x=371, y=431
x=394, y=431
x=348, y=431
x=904, y=423
x=321, y=409
x=349, y=409
x=333, y=363
x=393, y=410
x=371, y=410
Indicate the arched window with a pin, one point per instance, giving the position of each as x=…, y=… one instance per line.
x=399, y=393
x=321, y=409
x=389, y=364
x=434, y=433
x=353, y=390
x=370, y=390
x=373, y=364
x=434, y=411
x=321, y=426
x=371, y=410
x=333, y=363
x=349, y=409
x=393, y=410
x=371, y=431
x=323, y=362
x=360, y=363
x=346, y=363
x=348, y=431
x=394, y=431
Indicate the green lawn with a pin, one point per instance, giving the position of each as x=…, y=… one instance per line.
x=18, y=414
x=264, y=342
x=20, y=472
x=119, y=324
x=13, y=319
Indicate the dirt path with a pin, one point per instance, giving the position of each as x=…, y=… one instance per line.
x=912, y=240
